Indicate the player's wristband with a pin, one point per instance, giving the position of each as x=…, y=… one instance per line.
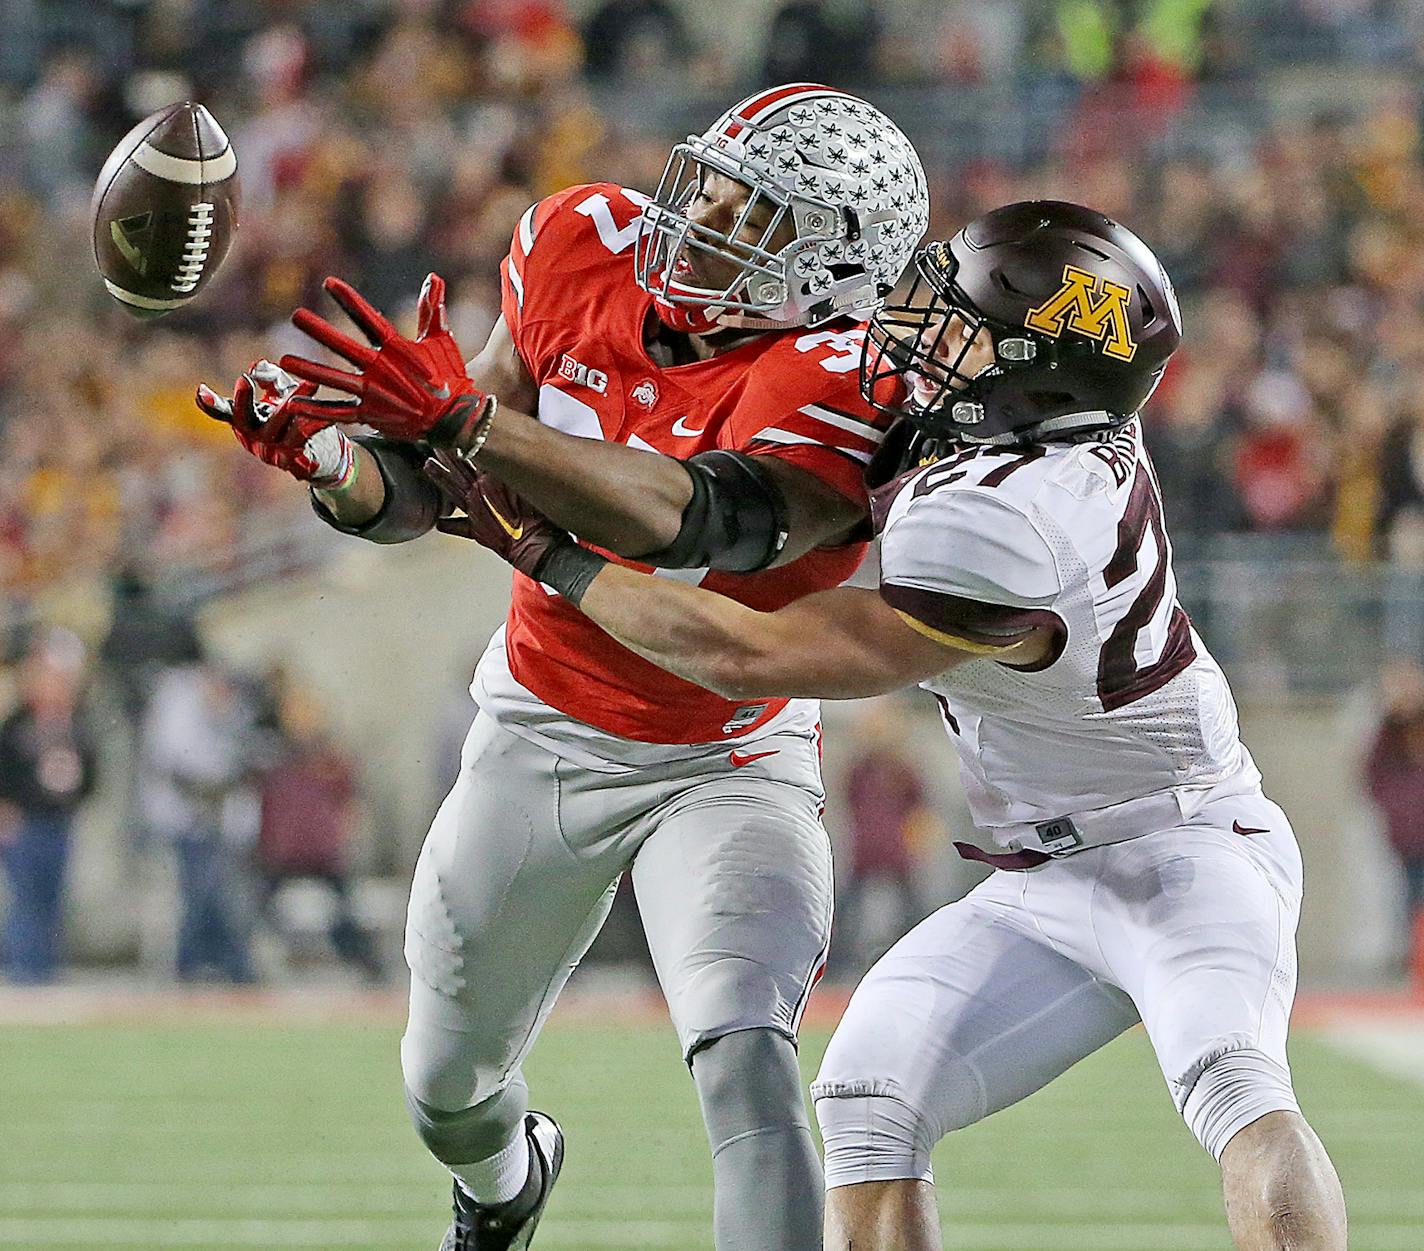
x=335, y=459
x=471, y=440
x=569, y=568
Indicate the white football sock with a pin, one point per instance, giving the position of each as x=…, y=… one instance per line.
x=499, y=1178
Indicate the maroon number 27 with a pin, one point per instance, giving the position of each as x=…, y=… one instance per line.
x=1120, y=679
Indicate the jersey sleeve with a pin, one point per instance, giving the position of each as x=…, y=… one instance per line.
x=804, y=407
x=968, y=568
x=563, y=234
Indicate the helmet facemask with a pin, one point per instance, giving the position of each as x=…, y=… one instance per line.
x=766, y=291
x=910, y=353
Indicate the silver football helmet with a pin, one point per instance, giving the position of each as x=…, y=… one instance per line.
x=840, y=170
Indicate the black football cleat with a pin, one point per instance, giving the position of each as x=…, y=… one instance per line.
x=510, y=1226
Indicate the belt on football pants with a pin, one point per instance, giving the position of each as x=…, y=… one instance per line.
x=1003, y=859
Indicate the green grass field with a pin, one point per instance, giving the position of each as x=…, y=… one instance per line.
x=217, y=1134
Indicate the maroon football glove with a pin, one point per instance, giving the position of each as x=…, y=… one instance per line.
x=404, y=388
x=495, y=516
x=500, y=520
x=262, y=414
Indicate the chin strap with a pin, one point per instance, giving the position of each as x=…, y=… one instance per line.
x=747, y=321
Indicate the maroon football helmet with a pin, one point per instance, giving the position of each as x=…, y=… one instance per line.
x=1081, y=313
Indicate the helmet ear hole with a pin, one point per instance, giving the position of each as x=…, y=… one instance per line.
x=1003, y=280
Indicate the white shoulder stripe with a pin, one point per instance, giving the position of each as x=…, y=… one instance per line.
x=862, y=428
x=185, y=169
x=773, y=434
x=516, y=282
x=526, y=229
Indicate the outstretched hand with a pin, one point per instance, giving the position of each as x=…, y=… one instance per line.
x=404, y=388
x=278, y=420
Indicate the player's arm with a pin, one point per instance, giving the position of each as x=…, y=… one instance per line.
x=840, y=644
x=846, y=643
x=724, y=510
x=617, y=497
x=728, y=510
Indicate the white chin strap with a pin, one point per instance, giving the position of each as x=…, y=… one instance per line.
x=730, y=320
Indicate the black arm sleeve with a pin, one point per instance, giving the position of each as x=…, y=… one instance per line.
x=735, y=520
x=412, y=504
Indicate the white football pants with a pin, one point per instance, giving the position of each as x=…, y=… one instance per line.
x=1191, y=930
x=730, y=864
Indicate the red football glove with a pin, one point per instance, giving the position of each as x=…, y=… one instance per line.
x=405, y=388
x=262, y=414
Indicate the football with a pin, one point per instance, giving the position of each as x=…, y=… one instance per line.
x=164, y=209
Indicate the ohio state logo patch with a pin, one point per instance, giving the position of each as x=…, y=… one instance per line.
x=646, y=393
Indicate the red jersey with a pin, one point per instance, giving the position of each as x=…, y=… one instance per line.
x=578, y=321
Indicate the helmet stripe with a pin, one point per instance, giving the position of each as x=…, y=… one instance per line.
x=749, y=110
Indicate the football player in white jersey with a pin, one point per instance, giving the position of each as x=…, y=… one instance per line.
x=1026, y=580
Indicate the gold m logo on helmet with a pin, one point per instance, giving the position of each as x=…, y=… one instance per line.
x=1088, y=305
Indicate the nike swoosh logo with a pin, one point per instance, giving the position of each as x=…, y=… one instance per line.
x=738, y=760
x=683, y=430
x=127, y=250
x=442, y=392
x=1238, y=828
x=515, y=532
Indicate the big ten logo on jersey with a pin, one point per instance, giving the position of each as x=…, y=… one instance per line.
x=1118, y=453
x=582, y=375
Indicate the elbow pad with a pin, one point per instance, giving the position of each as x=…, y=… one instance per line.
x=735, y=520
x=412, y=504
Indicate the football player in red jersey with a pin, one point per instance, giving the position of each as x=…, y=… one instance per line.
x=691, y=360
x=1026, y=580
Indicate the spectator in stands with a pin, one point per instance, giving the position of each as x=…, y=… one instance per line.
x=55, y=125
x=146, y=636
x=823, y=41
x=1401, y=511
x=890, y=823
x=641, y=41
x=196, y=791
x=47, y=769
x=1394, y=774
x=309, y=802
x=1281, y=472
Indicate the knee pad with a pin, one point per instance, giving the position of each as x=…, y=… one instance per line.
x=871, y=1137
x=1231, y=1090
x=748, y=1082
x=471, y=1134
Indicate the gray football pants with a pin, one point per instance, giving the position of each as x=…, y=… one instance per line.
x=731, y=867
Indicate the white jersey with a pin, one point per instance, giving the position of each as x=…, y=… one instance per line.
x=1128, y=725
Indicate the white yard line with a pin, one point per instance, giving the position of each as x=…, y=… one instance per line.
x=1396, y=1050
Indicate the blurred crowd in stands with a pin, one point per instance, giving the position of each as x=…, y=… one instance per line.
x=381, y=139
x=385, y=138
x=234, y=789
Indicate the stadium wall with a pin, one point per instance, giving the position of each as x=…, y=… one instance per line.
x=389, y=637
